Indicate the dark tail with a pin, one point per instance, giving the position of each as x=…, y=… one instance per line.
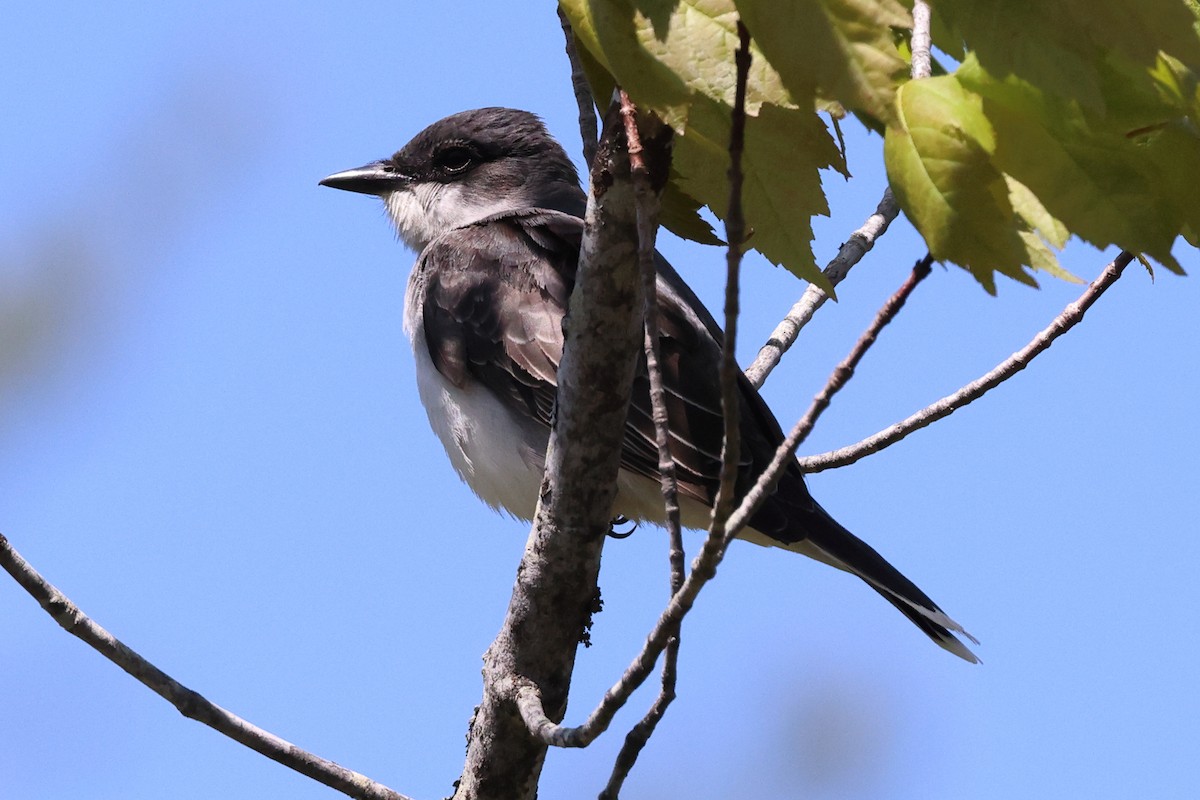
x=827, y=541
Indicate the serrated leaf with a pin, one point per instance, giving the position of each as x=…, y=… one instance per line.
x=1030, y=209
x=1060, y=45
x=1138, y=31
x=665, y=51
x=1147, y=266
x=1104, y=185
x=945, y=36
x=1042, y=258
x=938, y=161
x=848, y=53
x=679, y=213
x=1178, y=86
x=677, y=59
x=782, y=188
x=1032, y=40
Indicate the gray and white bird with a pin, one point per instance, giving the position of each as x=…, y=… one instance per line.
x=492, y=205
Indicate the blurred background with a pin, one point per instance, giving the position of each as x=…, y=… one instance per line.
x=210, y=440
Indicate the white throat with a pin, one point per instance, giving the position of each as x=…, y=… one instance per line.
x=421, y=212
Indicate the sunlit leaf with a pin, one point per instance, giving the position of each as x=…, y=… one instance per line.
x=680, y=214
x=1106, y=185
x=843, y=48
x=677, y=59
x=939, y=164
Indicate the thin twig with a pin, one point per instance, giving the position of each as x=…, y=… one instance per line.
x=647, y=213
x=1069, y=317
x=188, y=702
x=786, y=451
x=922, y=58
x=735, y=235
x=588, y=128
x=854, y=248
x=640, y=734
x=683, y=600
x=637, y=737
x=849, y=254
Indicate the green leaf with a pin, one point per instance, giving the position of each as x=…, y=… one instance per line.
x=1036, y=217
x=848, y=53
x=1042, y=258
x=676, y=58
x=680, y=214
x=945, y=36
x=1103, y=181
x=938, y=161
x=1137, y=31
x=663, y=52
x=1030, y=39
x=1059, y=45
x=782, y=184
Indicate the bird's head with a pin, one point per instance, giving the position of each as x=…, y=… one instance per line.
x=466, y=167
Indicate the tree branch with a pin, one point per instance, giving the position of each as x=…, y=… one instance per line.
x=1069, y=317
x=922, y=42
x=185, y=700
x=854, y=248
x=849, y=254
x=583, y=93
x=556, y=587
x=647, y=212
x=703, y=567
x=735, y=235
x=842, y=373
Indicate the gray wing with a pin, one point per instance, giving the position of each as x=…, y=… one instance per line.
x=495, y=295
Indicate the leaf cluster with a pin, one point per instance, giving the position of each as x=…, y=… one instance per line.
x=1059, y=118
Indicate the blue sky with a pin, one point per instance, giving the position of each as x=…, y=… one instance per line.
x=210, y=440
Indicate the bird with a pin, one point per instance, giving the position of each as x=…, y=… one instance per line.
x=492, y=205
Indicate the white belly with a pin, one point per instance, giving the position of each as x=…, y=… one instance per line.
x=501, y=455
x=498, y=455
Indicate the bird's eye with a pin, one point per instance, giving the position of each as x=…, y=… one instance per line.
x=453, y=159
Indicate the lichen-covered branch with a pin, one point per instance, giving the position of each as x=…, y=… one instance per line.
x=529, y=696
x=849, y=254
x=556, y=587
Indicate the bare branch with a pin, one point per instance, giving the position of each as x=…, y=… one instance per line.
x=704, y=565
x=849, y=254
x=1069, y=317
x=647, y=214
x=854, y=248
x=556, y=587
x=842, y=373
x=583, y=94
x=735, y=235
x=188, y=702
x=640, y=734
x=637, y=737
x=922, y=59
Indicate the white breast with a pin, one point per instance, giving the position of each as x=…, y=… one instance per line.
x=499, y=456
